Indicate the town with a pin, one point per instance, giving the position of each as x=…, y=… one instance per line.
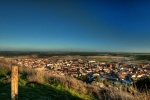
x=120, y=71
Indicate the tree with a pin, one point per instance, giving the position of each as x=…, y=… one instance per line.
x=143, y=84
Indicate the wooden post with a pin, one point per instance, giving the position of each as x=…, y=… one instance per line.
x=14, y=83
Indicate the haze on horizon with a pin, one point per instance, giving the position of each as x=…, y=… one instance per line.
x=75, y=25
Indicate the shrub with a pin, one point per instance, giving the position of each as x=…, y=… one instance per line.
x=2, y=73
x=143, y=84
x=22, y=82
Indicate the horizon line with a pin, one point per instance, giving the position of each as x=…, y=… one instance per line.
x=73, y=51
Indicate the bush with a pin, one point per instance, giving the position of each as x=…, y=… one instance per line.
x=84, y=79
x=22, y=82
x=142, y=57
x=143, y=84
x=2, y=73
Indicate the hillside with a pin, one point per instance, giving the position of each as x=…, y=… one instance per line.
x=39, y=85
x=36, y=89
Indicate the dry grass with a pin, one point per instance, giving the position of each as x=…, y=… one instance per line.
x=112, y=93
x=5, y=65
x=32, y=75
x=100, y=93
x=142, y=96
x=35, y=77
x=67, y=82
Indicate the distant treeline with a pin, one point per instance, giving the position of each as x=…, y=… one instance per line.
x=50, y=54
x=12, y=54
x=142, y=57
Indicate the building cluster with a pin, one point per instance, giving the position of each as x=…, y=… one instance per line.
x=116, y=72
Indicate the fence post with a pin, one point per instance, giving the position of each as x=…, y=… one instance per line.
x=14, y=83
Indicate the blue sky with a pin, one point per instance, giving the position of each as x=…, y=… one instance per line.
x=75, y=25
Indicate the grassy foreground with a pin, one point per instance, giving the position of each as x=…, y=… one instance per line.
x=38, y=89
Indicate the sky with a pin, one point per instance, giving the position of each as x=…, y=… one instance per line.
x=75, y=25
